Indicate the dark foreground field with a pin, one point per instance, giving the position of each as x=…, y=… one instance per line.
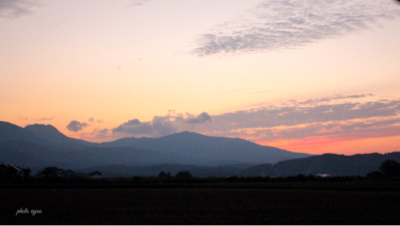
x=198, y=206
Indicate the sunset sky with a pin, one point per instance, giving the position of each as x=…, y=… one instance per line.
x=312, y=76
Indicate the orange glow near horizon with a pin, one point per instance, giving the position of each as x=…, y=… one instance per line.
x=346, y=146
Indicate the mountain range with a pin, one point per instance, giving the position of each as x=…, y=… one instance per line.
x=43, y=145
x=37, y=146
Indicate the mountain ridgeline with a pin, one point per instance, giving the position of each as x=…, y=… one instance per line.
x=38, y=146
x=42, y=145
x=209, y=150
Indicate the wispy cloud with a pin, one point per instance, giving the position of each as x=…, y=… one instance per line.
x=16, y=8
x=97, y=134
x=202, y=118
x=291, y=23
x=329, y=99
x=163, y=125
x=92, y=120
x=76, y=126
x=135, y=3
x=315, y=117
x=45, y=119
x=119, y=66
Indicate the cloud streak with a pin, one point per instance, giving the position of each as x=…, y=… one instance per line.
x=135, y=3
x=162, y=125
x=312, y=118
x=292, y=23
x=15, y=8
x=202, y=118
x=97, y=134
x=76, y=126
x=45, y=119
x=329, y=99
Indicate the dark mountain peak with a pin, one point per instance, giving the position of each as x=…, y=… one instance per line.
x=43, y=127
x=47, y=132
x=7, y=125
x=11, y=132
x=181, y=135
x=184, y=133
x=331, y=155
x=50, y=134
x=193, y=135
x=200, y=139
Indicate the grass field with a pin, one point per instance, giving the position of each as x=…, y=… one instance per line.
x=198, y=206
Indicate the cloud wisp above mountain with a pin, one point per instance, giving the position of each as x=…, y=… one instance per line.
x=339, y=117
x=312, y=118
x=292, y=23
x=135, y=3
x=16, y=8
x=76, y=126
x=163, y=125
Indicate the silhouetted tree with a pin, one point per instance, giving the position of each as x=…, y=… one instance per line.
x=10, y=172
x=390, y=168
x=162, y=175
x=51, y=172
x=95, y=173
x=375, y=174
x=27, y=173
x=184, y=175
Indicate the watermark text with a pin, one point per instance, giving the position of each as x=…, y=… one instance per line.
x=32, y=212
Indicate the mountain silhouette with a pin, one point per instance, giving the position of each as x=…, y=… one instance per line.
x=332, y=164
x=38, y=146
x=210, y=150
x=46, y=145
x=36, y=156
x=54, y=137
x=47, y=132
x=10, y=132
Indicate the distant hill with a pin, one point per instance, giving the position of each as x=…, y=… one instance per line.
x=336, y=165
x=260, y=170
x=211, y=151
x=33, y=155
x=154, y=170
x=113, y=171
